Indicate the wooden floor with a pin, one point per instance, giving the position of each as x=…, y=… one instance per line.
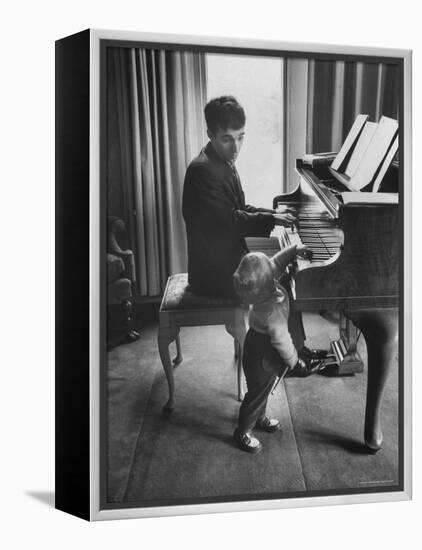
x=191, y=457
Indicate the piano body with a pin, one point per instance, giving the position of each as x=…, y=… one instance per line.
x=355, y=270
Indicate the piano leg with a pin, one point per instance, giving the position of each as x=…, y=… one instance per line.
x=237, y=328
x=380, y=329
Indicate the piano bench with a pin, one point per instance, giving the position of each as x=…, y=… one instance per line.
x=180, y=307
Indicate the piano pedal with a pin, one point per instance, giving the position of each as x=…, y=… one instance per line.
x=347, y=360
x=330, y=367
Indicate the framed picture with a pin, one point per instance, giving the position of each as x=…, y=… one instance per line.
x=212, y=355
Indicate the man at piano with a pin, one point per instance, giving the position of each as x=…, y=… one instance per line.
x=216, y=216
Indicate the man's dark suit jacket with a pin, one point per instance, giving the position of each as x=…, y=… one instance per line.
x=217, y=222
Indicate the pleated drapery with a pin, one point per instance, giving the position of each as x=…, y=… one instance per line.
x=338, y=91
x=158, y=97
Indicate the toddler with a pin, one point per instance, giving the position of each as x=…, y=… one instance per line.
x=268, y=348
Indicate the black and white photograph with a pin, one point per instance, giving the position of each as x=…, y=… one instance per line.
x=211, y=275
x=253, y=272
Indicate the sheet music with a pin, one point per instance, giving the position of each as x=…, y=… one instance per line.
x=385, y=165
x=350, y=140
x=361, y=146
x=375, y=153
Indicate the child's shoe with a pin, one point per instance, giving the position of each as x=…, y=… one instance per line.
x=311, y=354
x=302, y=369
x=247, y=442
x=267, y=424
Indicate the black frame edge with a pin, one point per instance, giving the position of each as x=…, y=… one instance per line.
x=72, y=450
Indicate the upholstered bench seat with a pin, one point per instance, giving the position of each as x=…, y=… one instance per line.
x=182, y=307
x=179, y=295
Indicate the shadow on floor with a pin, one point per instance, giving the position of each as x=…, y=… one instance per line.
x=45, y=497
x=330, y=438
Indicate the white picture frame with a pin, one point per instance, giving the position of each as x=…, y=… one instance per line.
x=89, y=504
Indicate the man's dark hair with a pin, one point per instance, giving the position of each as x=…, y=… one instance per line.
x=224, y=112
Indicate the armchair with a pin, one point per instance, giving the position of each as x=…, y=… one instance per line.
x=120, y=277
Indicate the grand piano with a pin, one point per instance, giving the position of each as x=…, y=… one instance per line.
x=354, y=269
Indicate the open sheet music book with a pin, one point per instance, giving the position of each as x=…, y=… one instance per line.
x=388, y=159
x=318, y=159
x=268, y=245
x=360, y=148
x=349, y=142
x=366, y=154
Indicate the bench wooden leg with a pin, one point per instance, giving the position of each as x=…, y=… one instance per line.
x=167, y=335
x=237, y=328
x=236, y=349
x=179, y=357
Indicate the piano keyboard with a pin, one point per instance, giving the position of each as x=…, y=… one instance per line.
x=317, y=231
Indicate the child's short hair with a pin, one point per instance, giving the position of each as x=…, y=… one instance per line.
x=253, y=280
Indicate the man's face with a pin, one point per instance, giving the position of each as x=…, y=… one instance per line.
x=227, y=143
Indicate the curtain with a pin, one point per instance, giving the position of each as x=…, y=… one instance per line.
x=338, y=91
x=155, y=128
x=323, y=99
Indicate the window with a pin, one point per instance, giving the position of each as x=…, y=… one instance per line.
x=257, y=83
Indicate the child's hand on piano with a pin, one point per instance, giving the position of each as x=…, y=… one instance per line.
x=304, y=252
x=286, y=219
x=284, y=209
